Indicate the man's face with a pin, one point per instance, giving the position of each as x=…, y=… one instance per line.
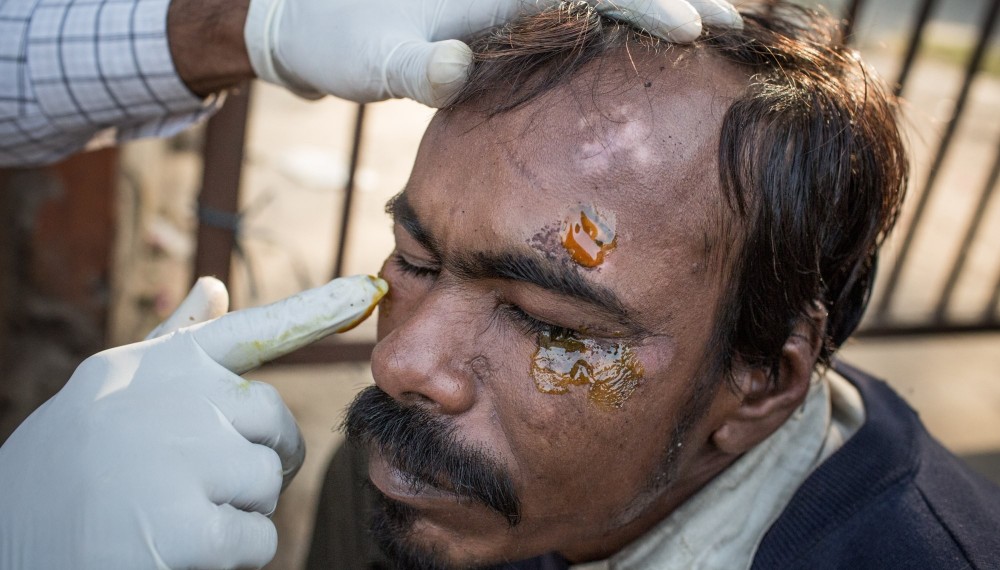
x=480, y=279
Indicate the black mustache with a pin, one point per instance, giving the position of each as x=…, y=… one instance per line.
x=423, y=446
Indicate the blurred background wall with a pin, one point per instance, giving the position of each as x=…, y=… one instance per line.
x=97, y=250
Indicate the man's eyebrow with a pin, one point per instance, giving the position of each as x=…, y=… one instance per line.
x=516, y=266
x=547, y=274
x=402, y=213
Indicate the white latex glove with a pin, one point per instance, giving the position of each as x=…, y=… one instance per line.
x=157, y=454
x=370, y=50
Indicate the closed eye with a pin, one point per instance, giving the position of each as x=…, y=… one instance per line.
x=532, y=326
x=528, y=324
x=417, y=271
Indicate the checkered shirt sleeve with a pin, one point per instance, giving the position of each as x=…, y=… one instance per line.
x=72, y=69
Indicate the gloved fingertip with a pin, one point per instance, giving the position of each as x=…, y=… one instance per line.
x=737, y=21
x=381, y=285
x=214, y=294
x=675, y=21
x=208, y=299
x=682, y=34
x=447, y=70
x=719, y=13
x=735, y=18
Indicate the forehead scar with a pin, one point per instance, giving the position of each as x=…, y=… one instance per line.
x=548, y=242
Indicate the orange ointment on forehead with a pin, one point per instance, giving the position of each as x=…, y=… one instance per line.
x=588, y=236
x=610, y=370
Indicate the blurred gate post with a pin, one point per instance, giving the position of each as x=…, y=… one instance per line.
x=218, y=201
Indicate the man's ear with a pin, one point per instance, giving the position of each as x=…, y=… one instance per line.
x=762, y=405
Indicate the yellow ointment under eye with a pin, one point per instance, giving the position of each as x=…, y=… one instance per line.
x=588, y=236
x=611, y=371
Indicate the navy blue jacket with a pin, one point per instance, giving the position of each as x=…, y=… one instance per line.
x=891, y=497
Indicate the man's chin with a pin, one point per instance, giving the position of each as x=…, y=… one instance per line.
x=396, y=530
x=392, y=529
x=423, y=526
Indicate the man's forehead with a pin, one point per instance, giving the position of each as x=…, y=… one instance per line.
x=637, y=130
x=636, y=93
x=637, y=141
x=627, y=119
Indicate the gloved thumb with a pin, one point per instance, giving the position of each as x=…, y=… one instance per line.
x=207, y=300
x=669, y=19
x=428, y=72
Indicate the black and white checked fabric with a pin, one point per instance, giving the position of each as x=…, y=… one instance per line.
x=70, y=69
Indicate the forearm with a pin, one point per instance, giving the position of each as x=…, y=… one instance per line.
x=115, y=71
x=206, y=43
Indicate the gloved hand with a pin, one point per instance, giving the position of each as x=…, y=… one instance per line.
x=370, y=50
x=156, y=454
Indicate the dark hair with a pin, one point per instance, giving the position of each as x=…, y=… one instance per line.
x=811, y=162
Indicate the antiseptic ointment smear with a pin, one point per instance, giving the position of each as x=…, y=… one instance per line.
x=610, y=370
x=588, y=236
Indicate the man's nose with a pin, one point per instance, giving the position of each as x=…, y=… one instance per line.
x=424, y=360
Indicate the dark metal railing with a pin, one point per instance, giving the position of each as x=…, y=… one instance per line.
x=218, y=201
x=223, y=155
x=220, y=219
x=345, y=218
x=881, y=319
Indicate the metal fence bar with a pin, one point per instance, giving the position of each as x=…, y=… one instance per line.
x=930, y=329
x=850, y=19
x=219, y=216
x=220, y=186
x=970, y=235
x=975, y=62
x=345, y=218
x=990, y=313
x=329, y=351
x=332, y=349
x=913, y=45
